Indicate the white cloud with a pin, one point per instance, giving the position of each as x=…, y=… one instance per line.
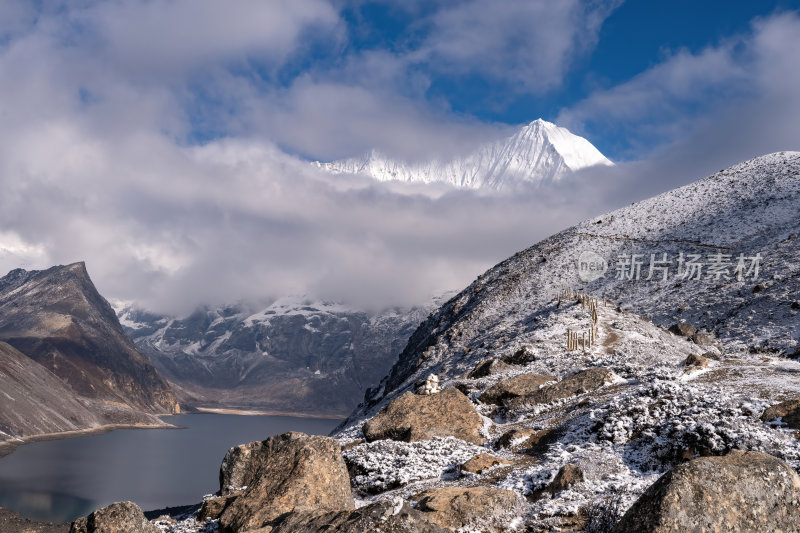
x=531, y=44
x=166, y=39
x=94, y=163
x=718, y=106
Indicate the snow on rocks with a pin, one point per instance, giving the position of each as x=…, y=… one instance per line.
x=187, y=525
x=386, y=464
x=742, y=491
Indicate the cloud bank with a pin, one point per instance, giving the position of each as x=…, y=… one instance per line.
x=166, y=143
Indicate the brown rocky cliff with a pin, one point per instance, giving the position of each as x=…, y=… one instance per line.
x=59, y=319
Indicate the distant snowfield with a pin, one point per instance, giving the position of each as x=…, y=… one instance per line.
x=538, y=153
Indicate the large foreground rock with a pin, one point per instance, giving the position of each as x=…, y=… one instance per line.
x=475, y=508
x=514, y=387
x=739, y=492
x=120, y=517
x=286, y=473
x=241, y=466
x=585, y=381
x=413, y=417
x=385, y=516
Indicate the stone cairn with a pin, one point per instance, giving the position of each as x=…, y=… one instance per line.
x=431, y=385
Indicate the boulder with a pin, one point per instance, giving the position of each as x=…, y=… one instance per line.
x=515, y=438
x=487, y=367
x=413, y=417
x=567, y=476
x=120, y=517
x=384, y=516
x=289, y=472
x=585, y=381
x=695, y=361
x=482, y=462
x=788, y=412
x=683, y=330
x=522, y=356
x=702, y=339
x=459, y=508
x=239, y=467
x=514, y=387
x=738, y=492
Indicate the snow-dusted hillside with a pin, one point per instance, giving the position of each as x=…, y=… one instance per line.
x=538, y=153
x=658, y=411
x=295, y=355
x=746, y=210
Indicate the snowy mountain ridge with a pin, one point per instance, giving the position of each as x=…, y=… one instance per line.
x=702, y=389
x=538, y=153
x=296, y=355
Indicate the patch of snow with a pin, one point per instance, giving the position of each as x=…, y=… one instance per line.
x=388, y=464
x=539, y=152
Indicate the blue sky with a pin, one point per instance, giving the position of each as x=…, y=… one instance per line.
x=609, y=43
x=166, y=142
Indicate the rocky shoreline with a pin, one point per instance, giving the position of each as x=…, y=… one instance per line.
x=11, y=522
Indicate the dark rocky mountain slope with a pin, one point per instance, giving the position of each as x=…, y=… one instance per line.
x=82, y=370
x=293, y=356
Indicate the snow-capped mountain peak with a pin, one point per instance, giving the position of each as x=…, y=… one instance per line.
x=537, y=153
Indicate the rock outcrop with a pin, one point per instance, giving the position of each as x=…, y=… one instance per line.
x=738, y=492
x=788, y=412
x=515, y=387
x=487, y=367
x=585, y=381
x=515, y=438
x=482, y=462
x=457, y=508
x=413, y=417
x=286, y=473
x=385, y=516
x=241, y=466
x=684, y=330
x=212, y=508
x=57, y=318
x=120, y=517
x=566, y=477
x=696, y=361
